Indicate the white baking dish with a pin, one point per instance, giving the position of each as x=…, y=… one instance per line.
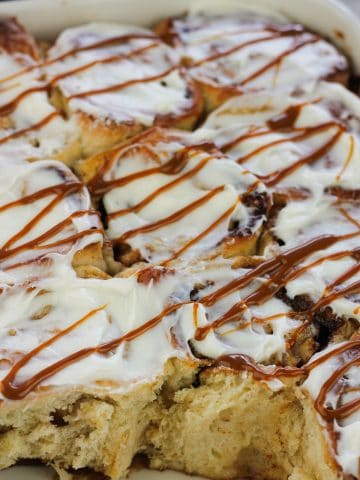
x=46, y=18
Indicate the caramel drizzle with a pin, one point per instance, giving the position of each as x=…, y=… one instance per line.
x=299, y=43
x=149, y=198
x=284, y=262
x=275, y=35
x=20, y=390
x=23, y=390
x=348, y=158
x=174, y=217
x=277, y=60
x=36, y=126
x=235, y=49
x=236, y=362
x=11, y=106
x=103, y=61
x=201, y=235
x=173, y=166
x=59, y=192
x=99, y=44
x=305, y=133
x=344, y=411
x=284, y=270
x=350, y=352
x=284, y=29
x=275, y=177
x=276, y=265
x=98, y=186
x=285, y=122
x=122, y=85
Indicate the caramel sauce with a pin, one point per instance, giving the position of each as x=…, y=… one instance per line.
x=102, y=61
x=175, y=165
x=273, y=178
x=201, y=235
x=348, y=159
x=284, y=262
x=352, y=359
x=236, y=48
x=286, y=119
x=8, y=108
x=278, y=59
x=350, y=350
x=18, y=391
x=59, y=192
x=276, y=33
x=304, y=135
x=122, y=85
x=174, y=217
x=24, y=131
x=108, y=42
x=279, y=268
x=240, y=362
x=148, y=199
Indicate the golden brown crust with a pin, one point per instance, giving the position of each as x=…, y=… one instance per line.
x=97, y=136
x=188, y=119
x=14, y=38
x=90, y=255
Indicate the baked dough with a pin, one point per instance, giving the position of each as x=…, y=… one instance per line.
x=188, y=296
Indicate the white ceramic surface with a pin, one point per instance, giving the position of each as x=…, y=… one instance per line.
x=325, y=16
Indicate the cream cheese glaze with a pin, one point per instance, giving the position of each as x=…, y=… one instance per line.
x=322, y=190
x=119, y=73
x=114, y=308
x=44, y=208
x=157, y=195
x=30, y=127
x=344, y=390
x=308, y=140
x=251, y=51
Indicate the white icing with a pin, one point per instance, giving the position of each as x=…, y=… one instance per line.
x=202, y=36
x=348, y=430
x=128, y=305
x=19, y=180
x=142, y=102
x=33, y=139
x=241, y=115
x=243, y=334
x=162, y=243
